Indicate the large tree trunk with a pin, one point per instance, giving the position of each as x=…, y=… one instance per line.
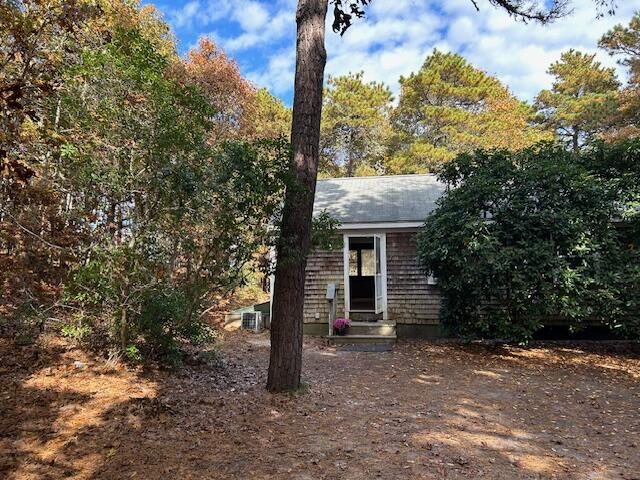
x=285, y=363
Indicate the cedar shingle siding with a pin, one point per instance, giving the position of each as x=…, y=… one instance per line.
x=323, y=267
x=410, y=300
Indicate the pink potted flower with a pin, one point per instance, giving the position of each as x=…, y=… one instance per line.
x=340, y=326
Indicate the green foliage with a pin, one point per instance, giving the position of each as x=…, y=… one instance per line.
x=211, y=357
x=524, y=237
x=582, y=100
x=355, y=125
x=38, y=37
x=324, y=232
x=449, y=107
x=164, y=319
x=158, y=219
x=624, y=42
x=271, y=119
x=77, y=333
x=133, y=354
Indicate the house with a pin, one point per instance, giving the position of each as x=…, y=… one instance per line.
x=381, y=286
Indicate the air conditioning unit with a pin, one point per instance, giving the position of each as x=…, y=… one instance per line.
x=251, y=321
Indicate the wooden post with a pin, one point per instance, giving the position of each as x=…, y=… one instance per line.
x=332, y=298
x=331, y=316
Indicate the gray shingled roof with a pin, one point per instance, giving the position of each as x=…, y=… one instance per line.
x=398, y=198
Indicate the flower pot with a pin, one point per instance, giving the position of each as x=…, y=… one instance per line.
x=340, y=331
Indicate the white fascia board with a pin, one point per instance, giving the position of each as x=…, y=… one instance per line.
x=379, y=226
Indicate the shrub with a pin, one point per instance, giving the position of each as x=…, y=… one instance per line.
x=75, y=332
x=523, y=237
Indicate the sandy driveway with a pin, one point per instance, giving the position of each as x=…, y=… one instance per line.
x=424, y=410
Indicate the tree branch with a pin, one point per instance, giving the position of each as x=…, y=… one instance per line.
x=25, y=229
x=533, y=10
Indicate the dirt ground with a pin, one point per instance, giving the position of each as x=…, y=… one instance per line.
x=426, y=410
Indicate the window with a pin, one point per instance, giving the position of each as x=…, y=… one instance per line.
x=368, y=263
x=362, y=263
x=353, y=263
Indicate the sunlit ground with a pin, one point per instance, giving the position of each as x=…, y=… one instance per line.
x=425, y=410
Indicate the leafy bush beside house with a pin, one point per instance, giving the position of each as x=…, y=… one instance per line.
x=520, y=238
x=147, y=219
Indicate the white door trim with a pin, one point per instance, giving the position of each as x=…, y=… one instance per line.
x=383, y=265
x=378, y=287
x=383, y=262
x=345, y=271
x=381, y=226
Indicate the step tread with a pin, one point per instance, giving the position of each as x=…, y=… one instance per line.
x=373, y=324
x=382, y=337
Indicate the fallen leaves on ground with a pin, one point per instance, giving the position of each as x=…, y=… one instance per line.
x=426, y=410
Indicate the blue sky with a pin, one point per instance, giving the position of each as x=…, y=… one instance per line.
x=393, y=39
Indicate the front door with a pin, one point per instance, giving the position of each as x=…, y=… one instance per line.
x=365, y=276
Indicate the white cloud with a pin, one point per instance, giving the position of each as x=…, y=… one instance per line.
x=462, y=31
x=518, y=54
x=277, y=77
x=252, y=16
x=273, y=29
x=397, y=35
x=184, y=16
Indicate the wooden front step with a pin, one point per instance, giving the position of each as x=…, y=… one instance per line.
x=372, y=328
x=365, y=316
x=370, y=339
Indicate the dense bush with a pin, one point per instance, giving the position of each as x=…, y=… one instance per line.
x=521, y=238
x=117, y=195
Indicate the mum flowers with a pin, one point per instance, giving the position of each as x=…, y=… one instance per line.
x=341, y=325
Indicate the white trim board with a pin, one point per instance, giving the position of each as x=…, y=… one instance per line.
x=345, y=273
x=379, y=226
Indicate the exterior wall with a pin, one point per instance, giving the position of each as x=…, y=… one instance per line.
x=323, y=267
x=410, y=300
x=412, y=304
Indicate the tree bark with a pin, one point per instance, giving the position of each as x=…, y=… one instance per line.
x=124, y=330
x=575, y=138
x=285, y=364
x=350, y=157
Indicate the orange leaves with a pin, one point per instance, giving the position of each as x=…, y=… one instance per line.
x=242, y=111
x=220, y=80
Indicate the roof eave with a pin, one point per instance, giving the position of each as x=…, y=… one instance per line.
x=399, y=225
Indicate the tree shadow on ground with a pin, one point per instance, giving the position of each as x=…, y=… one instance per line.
x=29, y=413
x=587, y=355
x=425, y=410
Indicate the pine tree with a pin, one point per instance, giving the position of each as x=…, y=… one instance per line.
x=448, y=107
x=625, y=43
x=355, y=125
x=581, y=101
x=269, y=117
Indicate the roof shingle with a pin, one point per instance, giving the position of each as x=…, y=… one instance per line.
x=397, y=198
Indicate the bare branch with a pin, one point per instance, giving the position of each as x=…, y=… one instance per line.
x=541, y=11
x=534, y=10
x=26, y=230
